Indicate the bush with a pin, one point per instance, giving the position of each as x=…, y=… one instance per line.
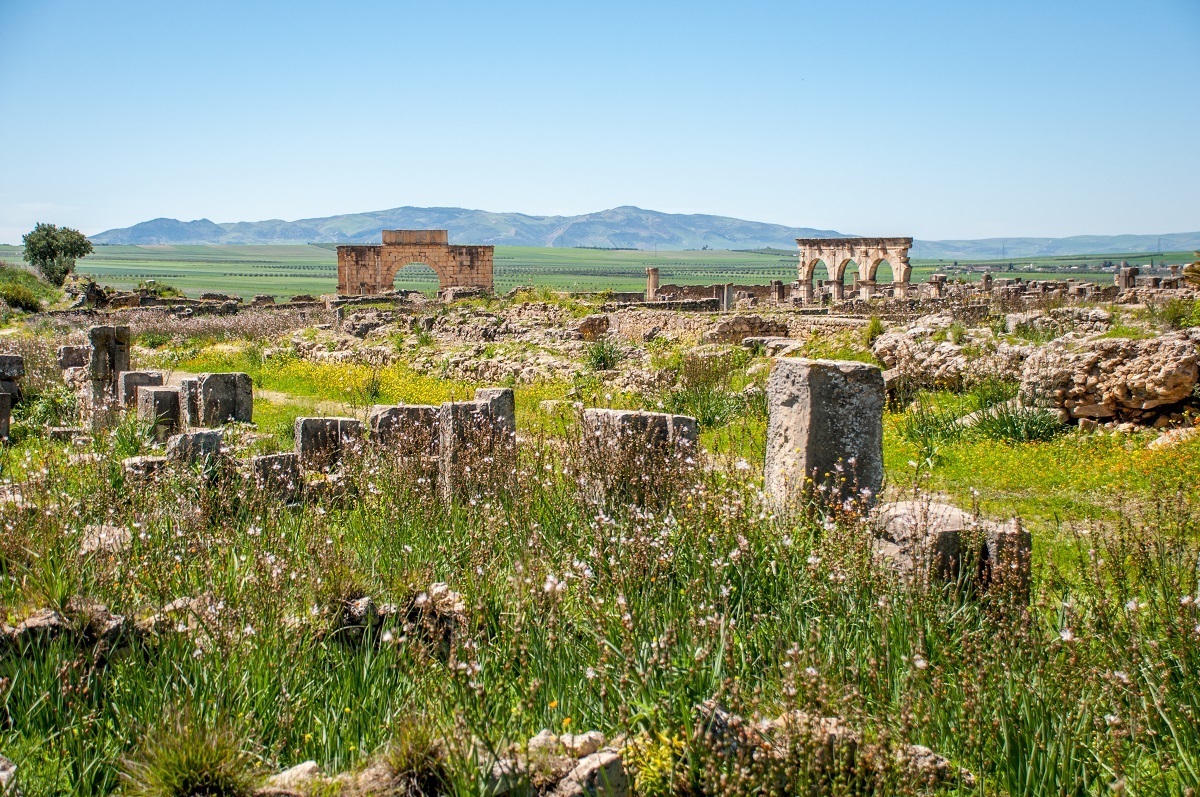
x=1018, y=425
x=190, y=760
x=1178, y=314
x=19, y=297
x=874, y=329
x=603, y=355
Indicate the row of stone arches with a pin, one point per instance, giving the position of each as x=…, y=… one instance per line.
x=879, y=271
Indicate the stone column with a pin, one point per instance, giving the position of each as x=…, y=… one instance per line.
x=839, y=290
x=652, y=284
x=727, y=296
x=824, y=431
x=807, y=287
x=866, y=290
x=985, y=282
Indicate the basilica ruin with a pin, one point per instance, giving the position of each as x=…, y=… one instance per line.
x=365, y=270
x=866, y=253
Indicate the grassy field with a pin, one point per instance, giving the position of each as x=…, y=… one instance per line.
x=283, y=271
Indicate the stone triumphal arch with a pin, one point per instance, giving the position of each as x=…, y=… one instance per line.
x=370, y=269
x=865, y=253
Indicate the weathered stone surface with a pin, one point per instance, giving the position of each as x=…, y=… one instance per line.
x=618, y=429
x=73, y=356
x=189, y=401
x=144, y=467
x=600, y=774
x=224, y=398
x=195, y=446
x=501, y=405
x=12, y=366
x=1112, y=378
x=320, y=442
x=41, y=626
x=298, y=777
x=474, y=443
x=737, y=328
x=128, y=383
x=366, y=270
x=278, y=475
x=410, y=427
x=8, y=779
x=109, y=356
x=65, y=433
x=635, y=456
x=947, y=544
x=919, y=361
x=6, y=403
x=103, y=539
x=160, y=406
x=824, y=429
x=592, y=327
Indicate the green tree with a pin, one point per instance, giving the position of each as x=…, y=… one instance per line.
x=53, y=250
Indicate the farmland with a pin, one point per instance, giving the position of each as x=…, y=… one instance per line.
x=284, y=271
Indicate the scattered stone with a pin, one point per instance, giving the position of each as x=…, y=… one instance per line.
x=592, y=327
x=824, y=430
x=8, y=779
x=943, y=541
x=600, y=774
x=1172, y=437
x=12, y=366
x=277, y=475
x=1112, y=378
x=128, y=383
x=320, y=442
x=39, y=627
x=73, y=357
x=195, y=447
x=104, y=539
x=144, y=467
x=298, y=777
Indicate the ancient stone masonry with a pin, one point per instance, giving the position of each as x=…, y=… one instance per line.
x=370, y=269
x=636, y=456
x=824, y=430
x=109, y=357
x=866, y=253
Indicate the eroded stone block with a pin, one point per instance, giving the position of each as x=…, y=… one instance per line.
x=196, y=446
x=277, y=475
x=225, y=398
x=160, y=406
x=128, y=383
x=6, y=402
x=635, y=455
x=320, y=442
x=189, y=401
x=73, y=356
x=824, y=430
x=12, y=366
x=144, y=467
x=410, y=427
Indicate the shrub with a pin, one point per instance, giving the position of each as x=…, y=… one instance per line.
x=1018, y=425
x=874, y=329
x=19, y=297
x=603, y=355
x=1177, y=313
x=188, y=759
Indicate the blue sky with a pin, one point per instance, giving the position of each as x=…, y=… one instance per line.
x=933, y=119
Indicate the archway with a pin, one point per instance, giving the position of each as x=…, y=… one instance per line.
x=881, y=271
x=416, y=276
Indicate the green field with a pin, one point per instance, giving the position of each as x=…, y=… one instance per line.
x=284, y=271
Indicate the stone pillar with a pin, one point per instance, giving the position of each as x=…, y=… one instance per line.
x=985, y=282
x=727, y=296
x=824, y=430
x=225, y=398
x=807, y=288
x=6, y=402
x=777, y=291
x=866, y=290
x=652, y=284
x=195, y=447
x=159, y=406
x=839, y=290
x=321, y=442
x=637, y=456
x=278, y=475
x=476, y=442
x=109, y=357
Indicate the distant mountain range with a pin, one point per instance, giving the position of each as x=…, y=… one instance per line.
x=625, y=227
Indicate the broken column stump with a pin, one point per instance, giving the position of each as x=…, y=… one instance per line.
x=824, y=431
x=159, y=406
x=410, y=430
x=476, y=442
x=128, y=383
x=277, y=475
x=320, y=442
x=109, y=356
x=197, y=446
x=637, y=456
x=224, y=398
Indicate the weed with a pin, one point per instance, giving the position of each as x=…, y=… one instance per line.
x=190, y=759
x=603, y=355
x=873, y=330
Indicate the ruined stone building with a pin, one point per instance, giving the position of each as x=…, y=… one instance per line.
x=370, y=269
x=866, y=253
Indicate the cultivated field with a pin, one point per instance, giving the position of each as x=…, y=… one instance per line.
x=284, y=271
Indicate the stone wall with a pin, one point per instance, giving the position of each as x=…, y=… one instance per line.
x=371, y=269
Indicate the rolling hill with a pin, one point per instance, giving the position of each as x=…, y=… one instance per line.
x=625, y=227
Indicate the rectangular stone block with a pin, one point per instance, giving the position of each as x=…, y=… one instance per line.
x=225, y=398
x=73, y=357
x=128, y=383
x=6, y=403
x=635, y=456
x=476, y=443
x=143, y=467
x=196, y=446
x=501, y=405
x=12, y=366
x=410, y=427
x=824, y=430
x=277, y=475
x=160, y=406
x=109, y=355
x=189, y=401
x=320, y=442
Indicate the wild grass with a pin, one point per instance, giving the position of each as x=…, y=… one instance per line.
x=581, y=616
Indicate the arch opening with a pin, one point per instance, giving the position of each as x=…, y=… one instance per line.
x=881, y=271
x=416, y=276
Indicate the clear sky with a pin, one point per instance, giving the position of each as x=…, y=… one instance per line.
x=933, y=119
